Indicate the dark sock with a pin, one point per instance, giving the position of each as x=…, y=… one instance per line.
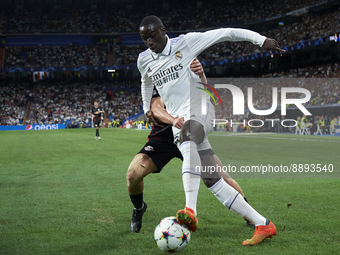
x=137, y=200
x=97, y=132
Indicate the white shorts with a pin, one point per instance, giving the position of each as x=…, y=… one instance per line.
x=207, y=122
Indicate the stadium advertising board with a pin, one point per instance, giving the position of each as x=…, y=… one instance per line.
x=337, y=131
x=33, y=127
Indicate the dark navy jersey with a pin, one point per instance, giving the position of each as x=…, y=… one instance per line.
x=158, y=132
x=97, y=114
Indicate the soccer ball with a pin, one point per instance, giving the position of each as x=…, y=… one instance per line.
x=170, y=236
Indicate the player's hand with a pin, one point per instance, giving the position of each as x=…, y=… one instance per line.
x=196, y=67
x=271, y=44
x=151, y=116
x=178, y=122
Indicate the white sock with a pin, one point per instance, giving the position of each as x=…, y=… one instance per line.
x=191, y=174
x=234, y=201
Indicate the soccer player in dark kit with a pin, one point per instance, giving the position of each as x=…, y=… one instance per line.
x=97, y=117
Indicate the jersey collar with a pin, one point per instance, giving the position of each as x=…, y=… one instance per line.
x=166, y=51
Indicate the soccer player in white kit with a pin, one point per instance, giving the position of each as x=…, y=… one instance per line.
x=166, y=65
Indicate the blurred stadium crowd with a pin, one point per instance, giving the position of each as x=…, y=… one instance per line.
x=60, y=101
x=309, y=28
x=72, y=55
x=188, y=17
x=66, y=102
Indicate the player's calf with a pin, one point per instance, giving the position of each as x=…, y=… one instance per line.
x=140, y=166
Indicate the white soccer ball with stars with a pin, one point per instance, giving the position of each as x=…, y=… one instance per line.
x=170, y=236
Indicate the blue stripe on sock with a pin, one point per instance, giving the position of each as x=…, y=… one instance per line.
x=215, y=184
x=190, y=173
x=185, y=143
x=233, y=200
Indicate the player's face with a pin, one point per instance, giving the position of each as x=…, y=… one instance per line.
x=153, y=37
x=96, y=105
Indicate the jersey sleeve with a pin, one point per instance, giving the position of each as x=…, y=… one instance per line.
x=198, y=42
x=146, y=87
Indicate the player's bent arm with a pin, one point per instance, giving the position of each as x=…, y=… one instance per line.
x=159, y=112
x=158, y=109
x=203, y=78
x=197, y=68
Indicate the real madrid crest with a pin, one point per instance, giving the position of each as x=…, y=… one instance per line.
x=178, y=55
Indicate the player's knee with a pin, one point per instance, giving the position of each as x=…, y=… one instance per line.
x=130, y=173
x=137, y=169
x=193, y=131
x=129, y=176
x=209, y=182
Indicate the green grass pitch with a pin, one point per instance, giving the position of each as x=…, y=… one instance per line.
x=63, y=192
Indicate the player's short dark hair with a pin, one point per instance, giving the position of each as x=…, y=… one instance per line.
x=154, y=20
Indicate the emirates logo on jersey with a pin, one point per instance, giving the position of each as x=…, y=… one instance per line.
x=178, y=55
x=163, y=76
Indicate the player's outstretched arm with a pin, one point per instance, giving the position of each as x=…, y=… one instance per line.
x=200, y=41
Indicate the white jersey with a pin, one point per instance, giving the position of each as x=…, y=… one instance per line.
x=170, y=70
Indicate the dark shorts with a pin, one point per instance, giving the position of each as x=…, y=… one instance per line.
x=161, y=152
x=96, y=123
